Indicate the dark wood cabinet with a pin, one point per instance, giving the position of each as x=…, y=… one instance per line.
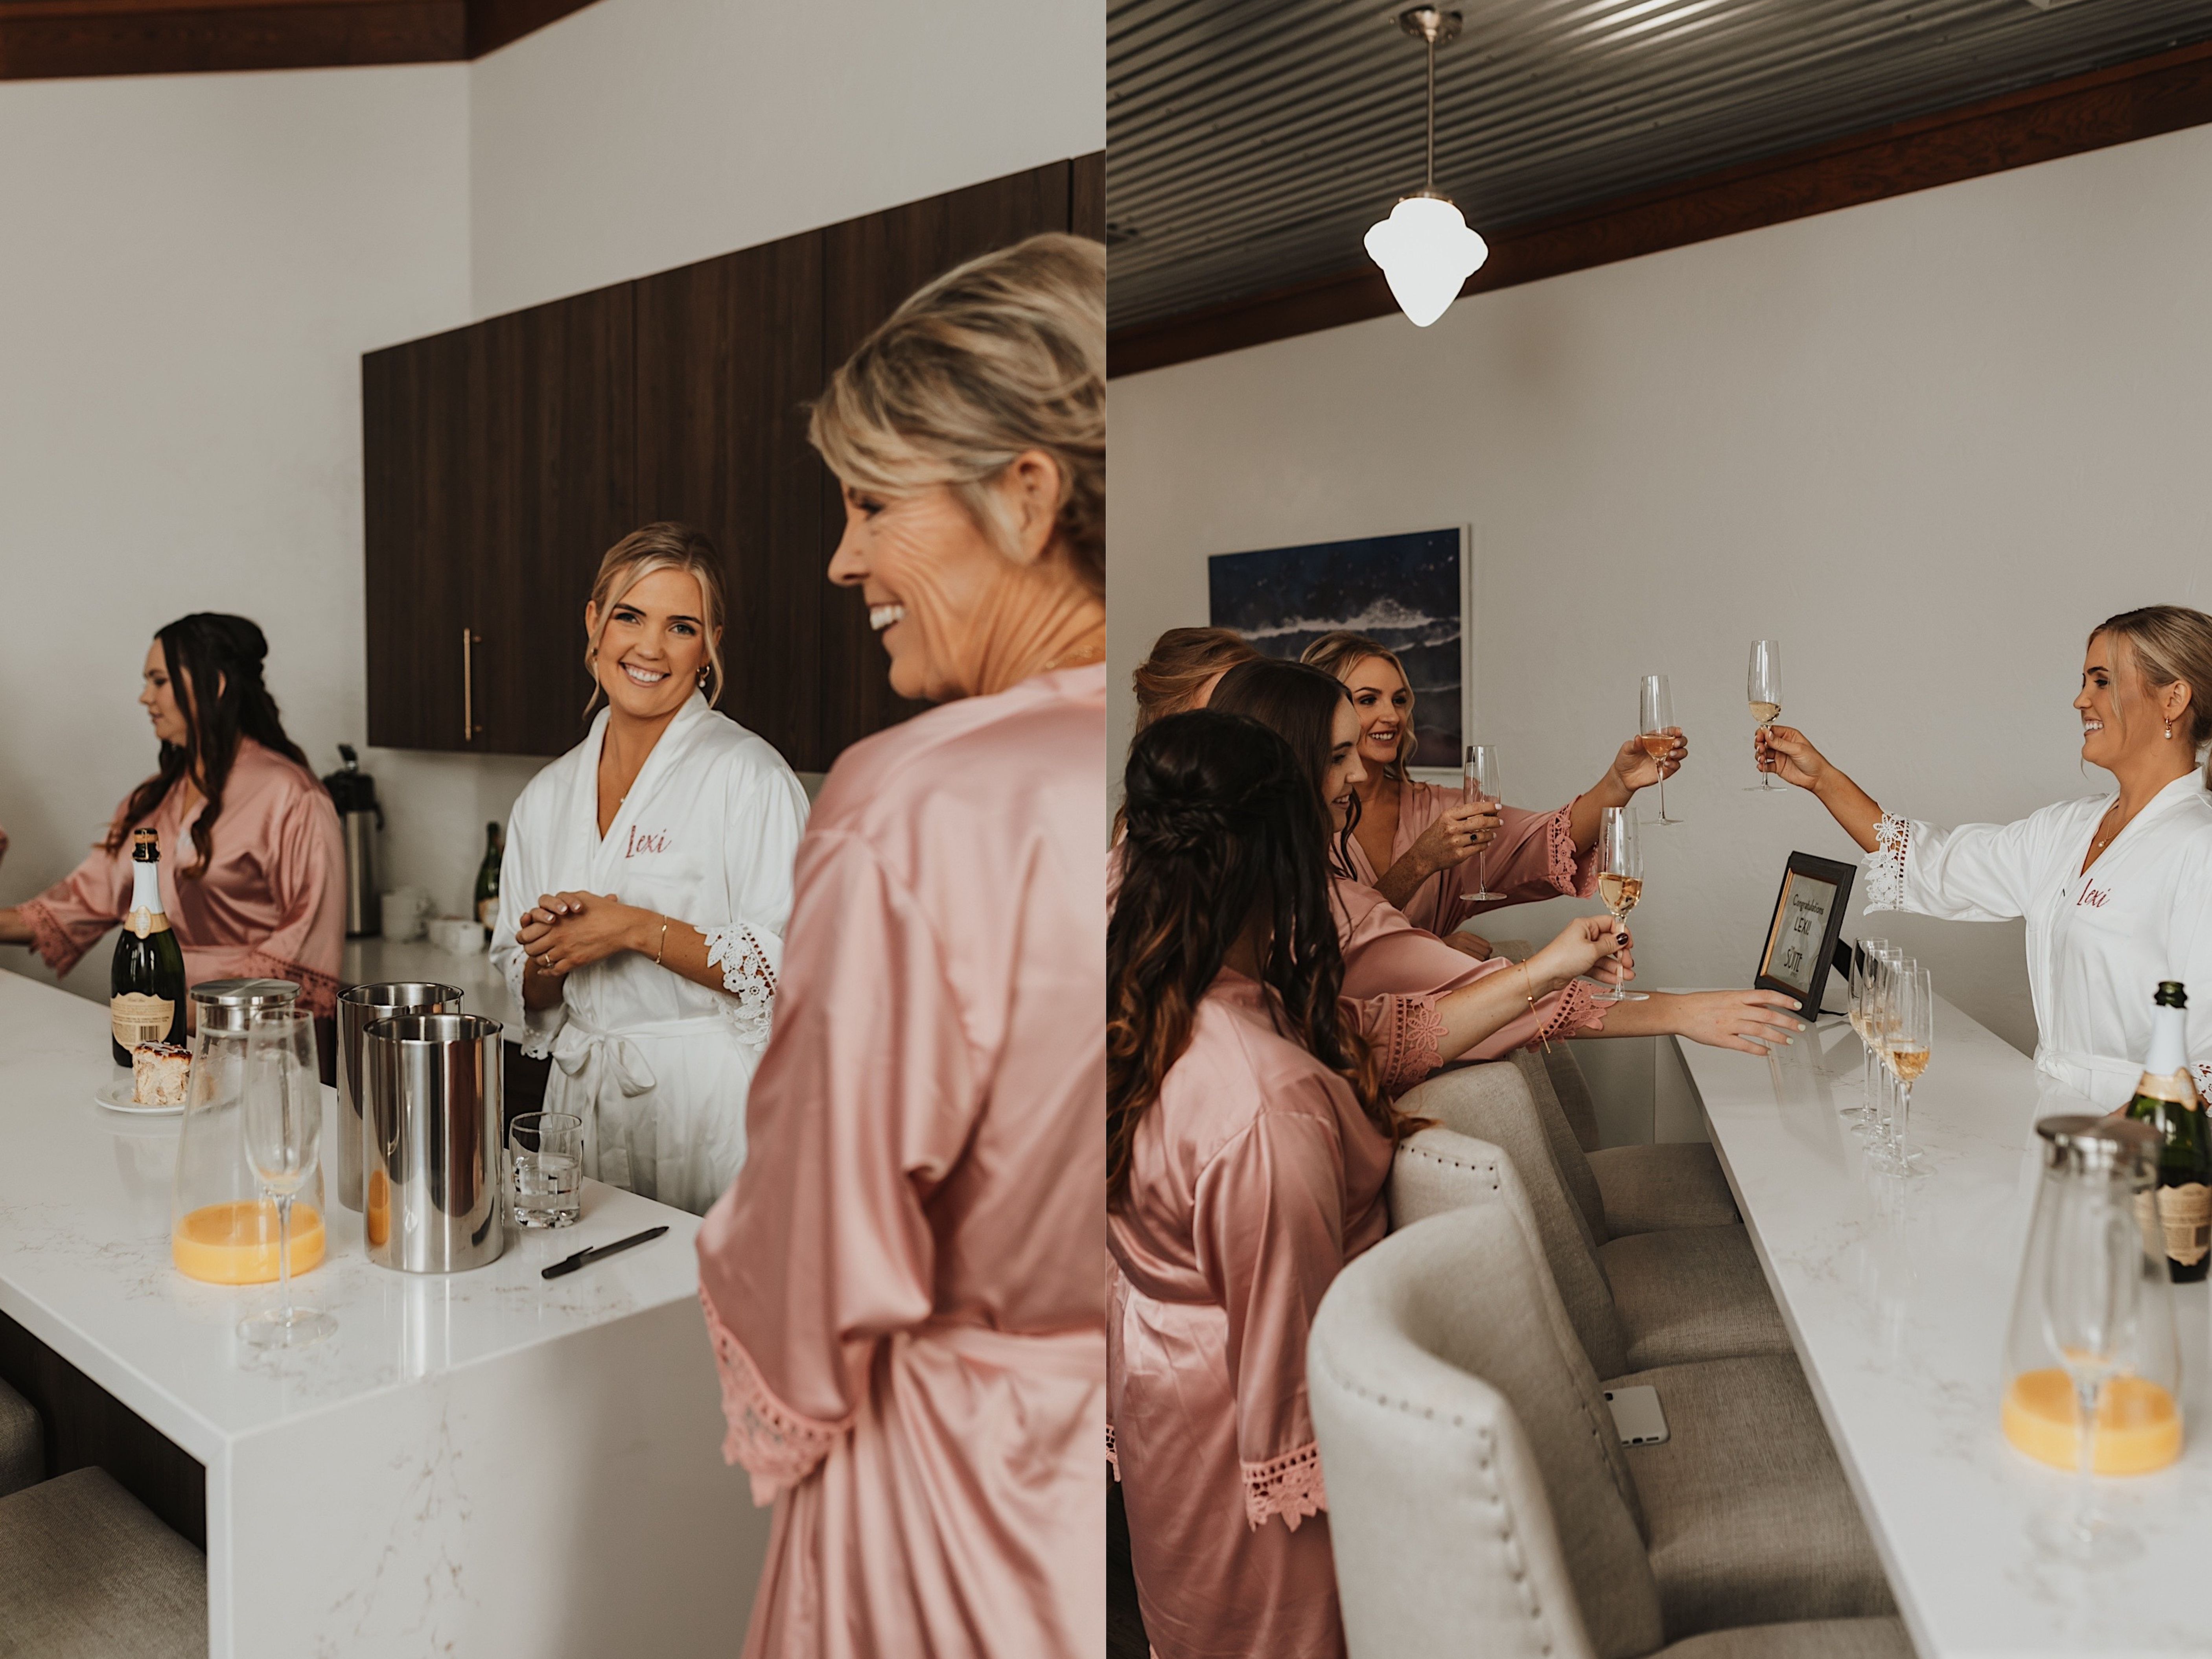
x=501, y=463
x=729, y=352
x=503, y=459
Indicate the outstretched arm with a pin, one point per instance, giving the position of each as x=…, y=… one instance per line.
x=1782, y=751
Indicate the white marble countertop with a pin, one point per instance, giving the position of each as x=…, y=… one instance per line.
x=1898, y=1294
x=84, y=1261
x=374, y=961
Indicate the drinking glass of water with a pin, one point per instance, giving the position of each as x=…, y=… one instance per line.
x=545, y=1169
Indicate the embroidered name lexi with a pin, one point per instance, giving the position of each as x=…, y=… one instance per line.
x=655, y=842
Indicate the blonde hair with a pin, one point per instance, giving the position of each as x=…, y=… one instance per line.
x=1004, y=354
x=1339, y=653
x=662, y=546
x=1183, y=659
x=2172, y=642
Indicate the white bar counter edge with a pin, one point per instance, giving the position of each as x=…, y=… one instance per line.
x=483, y=1463
x=1898, y=1295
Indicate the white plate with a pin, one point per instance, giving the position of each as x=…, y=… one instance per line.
x=116, y=1096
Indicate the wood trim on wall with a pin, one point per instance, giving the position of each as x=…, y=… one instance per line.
x=47, y=40
x=2137, y=99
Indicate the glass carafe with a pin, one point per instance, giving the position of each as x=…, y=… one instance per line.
x=223, y=1228
x=2099, y=1175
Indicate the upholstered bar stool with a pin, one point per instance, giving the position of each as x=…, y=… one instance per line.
x=22, y=1442
x=1479, y=1499
x=1622, y=1189
x=87, y=1573
x=1660, y=1298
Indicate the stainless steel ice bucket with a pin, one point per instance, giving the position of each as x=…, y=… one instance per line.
x=359, y=1009
x=431, y=1142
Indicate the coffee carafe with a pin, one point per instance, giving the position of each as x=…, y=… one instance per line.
x=353, y=792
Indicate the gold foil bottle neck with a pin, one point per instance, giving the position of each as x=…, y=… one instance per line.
x=144, y=922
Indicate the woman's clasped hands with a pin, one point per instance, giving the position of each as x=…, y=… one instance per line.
x=566, y=931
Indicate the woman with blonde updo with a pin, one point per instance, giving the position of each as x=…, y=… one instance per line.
x=903, y=1287
x=2117, y=889
x=1185, y=665
x=1427, y=852
x=646, y=885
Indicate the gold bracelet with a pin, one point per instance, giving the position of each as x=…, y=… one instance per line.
x=663, y=945
x=1525, y=990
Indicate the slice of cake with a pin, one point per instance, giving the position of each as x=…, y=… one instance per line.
x=158, y=1072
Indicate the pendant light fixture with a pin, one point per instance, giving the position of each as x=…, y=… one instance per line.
x=1425, y=248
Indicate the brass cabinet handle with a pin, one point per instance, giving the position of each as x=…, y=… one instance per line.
x=470, y=730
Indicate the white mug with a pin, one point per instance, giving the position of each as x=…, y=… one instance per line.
x=463, y=935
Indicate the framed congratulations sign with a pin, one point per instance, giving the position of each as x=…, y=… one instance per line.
x=1801, y=939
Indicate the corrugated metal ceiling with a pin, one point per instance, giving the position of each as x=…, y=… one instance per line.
x=1250, y=142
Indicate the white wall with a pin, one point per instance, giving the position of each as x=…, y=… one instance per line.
x=1926, y=443
x=190, y=268
x=637, y=134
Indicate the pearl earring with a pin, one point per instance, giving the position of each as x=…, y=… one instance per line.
x=2169, y=729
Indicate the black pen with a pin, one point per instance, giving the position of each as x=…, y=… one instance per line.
x=582, y=1258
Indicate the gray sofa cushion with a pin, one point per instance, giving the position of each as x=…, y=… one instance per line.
x=1818, y=1638
x=22, y=1442
x=1649, y=1189
x=1693, y=1293
x=1750, y=1520
x=87, y=1573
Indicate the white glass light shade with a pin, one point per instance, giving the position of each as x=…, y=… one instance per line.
x=1427, y=252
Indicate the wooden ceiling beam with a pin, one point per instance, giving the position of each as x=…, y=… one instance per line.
x=46, y=40
x=2138, y=99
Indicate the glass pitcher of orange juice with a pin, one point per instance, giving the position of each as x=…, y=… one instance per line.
x=223, y=1228
x=2099, y=1174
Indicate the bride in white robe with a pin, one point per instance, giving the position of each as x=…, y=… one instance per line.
x=645, y=887
x=2117, y=889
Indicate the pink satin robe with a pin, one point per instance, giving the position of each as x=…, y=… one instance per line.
x=903, y=1286
x=270, y=905
x=1532, y=858
x=1253, y=1179
x=1395, y=973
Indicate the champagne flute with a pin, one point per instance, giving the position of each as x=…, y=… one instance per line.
x=1911, y=1038
x=1620, y=884
x=1763, y=687
x=1655, y=713
x=282, y=1108
x=1478, y=782
x=2092, y=1287
x=1855, y=1011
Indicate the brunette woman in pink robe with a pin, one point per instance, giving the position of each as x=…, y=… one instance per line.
x=1427, y=850
x=252, y=861
x=1249, y=1133
x=903, y=1287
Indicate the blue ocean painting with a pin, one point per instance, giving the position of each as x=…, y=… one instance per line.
x=1403, y=592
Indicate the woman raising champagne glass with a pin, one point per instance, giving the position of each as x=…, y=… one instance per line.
x=2117, y=891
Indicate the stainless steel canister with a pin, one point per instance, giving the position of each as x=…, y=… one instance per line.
x=431, y=1140
x=359, y=1009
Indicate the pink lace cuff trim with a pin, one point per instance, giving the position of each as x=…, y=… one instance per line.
x=1577, y=1010
x=319, y=993
x=1113, y=1457
x=49, y=939
x=1884, y=865
x=1562, y=867
x=1411, y=1029
x=779, y=1447
x=1289, y=1485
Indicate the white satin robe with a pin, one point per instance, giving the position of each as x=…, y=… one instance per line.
x=2098, y=944
x=656, y=1065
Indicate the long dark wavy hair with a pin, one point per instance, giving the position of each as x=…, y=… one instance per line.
x=1224, y=826
x=215, y=670
x=1299, y=705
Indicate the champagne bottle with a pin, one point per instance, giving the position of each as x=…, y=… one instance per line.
x=2166, y=1098
x=488, y=878
x=146, y=984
